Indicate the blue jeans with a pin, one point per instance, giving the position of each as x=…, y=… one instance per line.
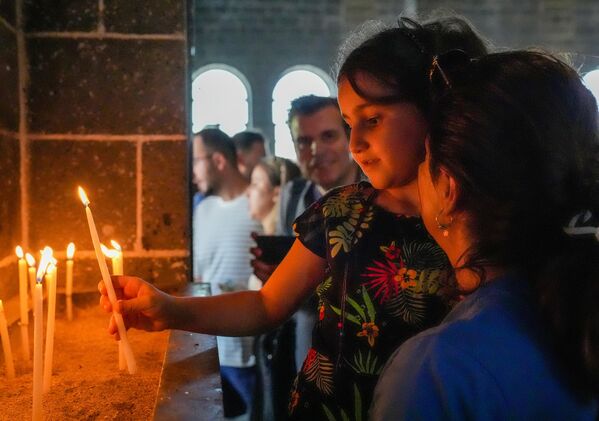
x=238, y=389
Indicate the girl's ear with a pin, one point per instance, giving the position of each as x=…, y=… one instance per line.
x=447, y=191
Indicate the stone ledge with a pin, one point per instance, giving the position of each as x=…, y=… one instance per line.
x=190, y=385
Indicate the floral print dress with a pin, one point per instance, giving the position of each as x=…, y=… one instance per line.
x=386, y=280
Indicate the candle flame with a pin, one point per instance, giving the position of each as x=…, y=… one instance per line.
x=83, y=197
x=70, y=251
x=116, y=245
x=30, y=260
x=44, y=262
x=19, y=251
x=110, y=253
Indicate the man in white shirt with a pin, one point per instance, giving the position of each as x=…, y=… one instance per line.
x=221, y=243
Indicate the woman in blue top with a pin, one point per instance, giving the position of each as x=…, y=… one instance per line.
x=511, y=169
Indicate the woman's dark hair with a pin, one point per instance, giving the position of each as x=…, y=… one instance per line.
x=400, y=57
x=279, y=170
x=518, y=131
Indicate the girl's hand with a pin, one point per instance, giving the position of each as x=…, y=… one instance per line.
x=142, y=305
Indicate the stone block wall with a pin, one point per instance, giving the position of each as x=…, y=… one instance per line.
x=10, y=153
x=103, y=106
x=262, y=38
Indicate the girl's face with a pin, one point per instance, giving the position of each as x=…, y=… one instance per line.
x=262, y=196
x=387, y=141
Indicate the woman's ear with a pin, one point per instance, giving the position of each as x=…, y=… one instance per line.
x=276, y=191
x=447, y=191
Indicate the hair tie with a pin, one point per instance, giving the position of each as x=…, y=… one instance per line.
x=574, y=231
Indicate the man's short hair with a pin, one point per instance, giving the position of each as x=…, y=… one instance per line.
x=310, y=104
x=246, y=139
x=215, y=140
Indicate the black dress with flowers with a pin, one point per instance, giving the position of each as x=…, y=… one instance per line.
x=386, y=280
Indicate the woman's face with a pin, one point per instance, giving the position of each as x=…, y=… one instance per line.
x=262, y=195
x=387, y=141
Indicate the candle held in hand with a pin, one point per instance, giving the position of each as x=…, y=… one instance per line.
x=131, y=365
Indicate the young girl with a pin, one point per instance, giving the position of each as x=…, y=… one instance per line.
x=379, y=276
x=512, y=166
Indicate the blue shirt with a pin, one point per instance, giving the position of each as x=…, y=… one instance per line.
x=486, y=361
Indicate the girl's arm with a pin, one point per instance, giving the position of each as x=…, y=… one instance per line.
x=236, y=314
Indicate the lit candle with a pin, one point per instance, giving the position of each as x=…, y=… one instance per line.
x=130, y=358
x=23, y=286
x=50, y=323
x=10, y=365
x=70, y=254
x=117, y=269
x=38, y=331
x=69, y=286
x=117, y=260
x=31, y=263
x=24, y=307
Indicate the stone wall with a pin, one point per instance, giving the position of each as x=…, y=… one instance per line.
x=262, y=38
x=103, y=107
x=10, y=166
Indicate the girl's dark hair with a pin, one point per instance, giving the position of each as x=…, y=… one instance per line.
x=518, y=131
x=400, y=57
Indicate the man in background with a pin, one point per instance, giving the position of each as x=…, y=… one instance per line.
x=221, y=242
x=250, y=150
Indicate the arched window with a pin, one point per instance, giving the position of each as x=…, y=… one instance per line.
x=220, y=95
x=591, y=80
x=295, y=82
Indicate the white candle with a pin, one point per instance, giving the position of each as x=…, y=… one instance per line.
x=117, y=260
x=10, y=365
x=24, y=306
x=31, y=263
x=108, y=283
x=70, y=254
x=38, y=332
x=117, y=269
x=23, y=286
x=50, y=323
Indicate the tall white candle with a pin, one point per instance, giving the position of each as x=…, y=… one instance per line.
x=10, y=365
x=31, y=263
x=117, y=269
x=50, y=323
x=24, y=306
x=23, y=286
x=38, y=332
x=70, y=254
x=131, y=365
